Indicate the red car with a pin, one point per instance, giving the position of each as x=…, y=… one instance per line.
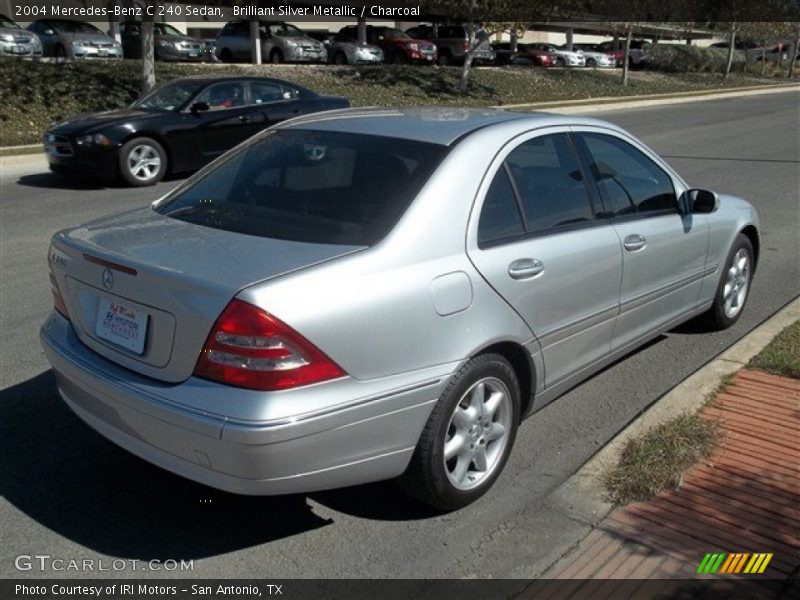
x=608, y=48
x=398, y=47
x=525, y=54
x=539, y=56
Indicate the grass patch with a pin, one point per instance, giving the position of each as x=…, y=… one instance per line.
x=657, y=460
x=782, y=355
x=36, y=94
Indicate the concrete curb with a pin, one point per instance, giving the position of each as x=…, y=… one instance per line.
x=583, y=496
x=616, y=103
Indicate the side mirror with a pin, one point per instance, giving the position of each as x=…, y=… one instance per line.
x=199, y=107
x=701, y=201
x=49, y=32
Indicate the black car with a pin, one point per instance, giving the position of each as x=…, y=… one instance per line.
x=178, y=127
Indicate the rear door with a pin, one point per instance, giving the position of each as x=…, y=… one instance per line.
x=540, y=245
x=273, y=103
x=664, y=251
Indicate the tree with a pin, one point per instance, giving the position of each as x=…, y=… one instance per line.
x=148, y=48
x=476, y=39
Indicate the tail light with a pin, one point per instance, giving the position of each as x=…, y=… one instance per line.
x=249, y=348
x=58, y=299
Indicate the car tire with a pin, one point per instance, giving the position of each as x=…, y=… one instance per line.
x=444, y=59
x=398, y=58
x=734, y=285
x=591, y=63
x=142, y=161
x=340, y=58
x=60, y=51
x=276, y=57
x=560, y=62
x=226, y=55
x=473, y=429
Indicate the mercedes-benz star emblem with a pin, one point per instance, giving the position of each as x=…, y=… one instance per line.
x=108, y=279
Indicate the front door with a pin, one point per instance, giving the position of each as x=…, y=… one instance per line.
x=541, y=246
x=228, y=120
x=663, y=250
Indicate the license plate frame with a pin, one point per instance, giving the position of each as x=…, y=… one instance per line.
x=121, y=325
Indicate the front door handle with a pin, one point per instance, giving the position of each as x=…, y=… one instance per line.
x=634, y=242
x=525, y=268
x=244, y=118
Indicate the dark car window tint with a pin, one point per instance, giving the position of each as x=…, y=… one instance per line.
x=629, y=181
x=264, y=91
x=500, y=218
x=222, y=96
x=550, y=183
x=310, y=186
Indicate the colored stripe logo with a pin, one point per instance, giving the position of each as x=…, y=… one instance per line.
x=734, y=563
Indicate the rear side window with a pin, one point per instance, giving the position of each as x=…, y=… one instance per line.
x=500, y=218
x=310, y=186
x=550, y=183
x=264, y=92
x=629, y=182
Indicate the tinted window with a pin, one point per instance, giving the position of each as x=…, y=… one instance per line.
x=309, y=186
x=221, y=96
x=550, y=183
x=500, y=218
x=264, y=91
x=629, y=181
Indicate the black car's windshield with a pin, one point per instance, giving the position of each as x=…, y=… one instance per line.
x=165, y=29
x=309, y=186
x=74, y=27
x=172, y=96
x=8, y=23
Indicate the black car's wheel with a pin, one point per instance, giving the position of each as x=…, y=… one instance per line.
x=276, y=57
x=226, y=55
x=468, y=437
x=734, y=285
x=340, y=58
x=142, y=161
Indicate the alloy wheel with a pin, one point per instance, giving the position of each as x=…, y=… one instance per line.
x=144, y=162
x=737, y=282
x=478, y=433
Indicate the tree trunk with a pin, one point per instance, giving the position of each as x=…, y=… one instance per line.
x=463, y=82
x=148, y=53
x=763, y=58
x=793, y=58
x=626, y=59
x=731, y=48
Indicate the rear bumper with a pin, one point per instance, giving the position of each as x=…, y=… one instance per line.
x=369, y=441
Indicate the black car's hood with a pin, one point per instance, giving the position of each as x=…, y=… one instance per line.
x=89, y=122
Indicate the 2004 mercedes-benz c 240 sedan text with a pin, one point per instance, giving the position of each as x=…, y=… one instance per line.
x=365, y=294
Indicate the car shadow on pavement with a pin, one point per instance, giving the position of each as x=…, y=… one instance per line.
x=59, y=472
x=53, y=181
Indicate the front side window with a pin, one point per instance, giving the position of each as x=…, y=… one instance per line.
x=629, y=182
x=309, y=186
x=550, y=183
x=222, y=96
x=285, y=30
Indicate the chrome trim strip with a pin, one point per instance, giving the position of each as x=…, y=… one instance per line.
x=557, y=334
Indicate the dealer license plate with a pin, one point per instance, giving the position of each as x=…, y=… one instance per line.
x=121, y=325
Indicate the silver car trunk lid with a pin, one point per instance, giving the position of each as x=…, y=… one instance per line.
x=170, y=279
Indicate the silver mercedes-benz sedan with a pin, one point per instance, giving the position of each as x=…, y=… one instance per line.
x=360, y=295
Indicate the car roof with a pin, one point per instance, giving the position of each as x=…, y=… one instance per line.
x=436, y=125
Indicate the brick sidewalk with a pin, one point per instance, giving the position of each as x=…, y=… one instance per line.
x=745, y=498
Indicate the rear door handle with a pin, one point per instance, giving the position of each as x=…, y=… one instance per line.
x=525, y=268
x=244, y=118
x=634, y=242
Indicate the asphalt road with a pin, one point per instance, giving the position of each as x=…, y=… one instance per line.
x=70, y=494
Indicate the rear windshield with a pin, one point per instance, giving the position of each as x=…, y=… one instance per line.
x=309, y=186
